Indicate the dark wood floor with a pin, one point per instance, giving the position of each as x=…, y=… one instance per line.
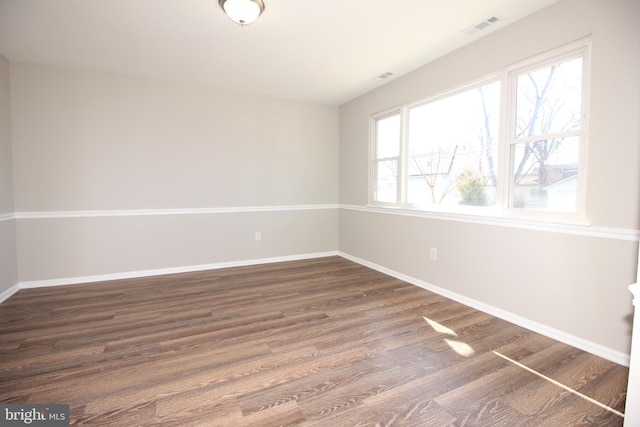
x=321, y=342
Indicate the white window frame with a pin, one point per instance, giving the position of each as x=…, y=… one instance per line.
x=581, y=48
x=506, y=138
x=374, y=160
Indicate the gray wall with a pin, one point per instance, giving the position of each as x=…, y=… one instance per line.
x=8, y=266
x=88, y=141
x=573, y=282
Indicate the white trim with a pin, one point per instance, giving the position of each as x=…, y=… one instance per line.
x=6, y=294
x=577, y=229
x=162, y=271
x=591, y=347
x=7, y=217
x=633, y=384
x=150, y=212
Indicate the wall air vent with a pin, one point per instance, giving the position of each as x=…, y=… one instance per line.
x=482, y=24
x=383, y=76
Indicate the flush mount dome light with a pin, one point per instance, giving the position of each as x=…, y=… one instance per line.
x=242, y=12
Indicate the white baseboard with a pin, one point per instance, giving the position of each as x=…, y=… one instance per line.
x=588, y=346
x=6, y=294
x=163, y=271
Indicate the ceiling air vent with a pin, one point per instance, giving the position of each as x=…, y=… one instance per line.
x=482, y=25
x=383, y=76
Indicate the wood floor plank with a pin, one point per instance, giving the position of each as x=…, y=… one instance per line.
x=417, y=414
x=317, y=342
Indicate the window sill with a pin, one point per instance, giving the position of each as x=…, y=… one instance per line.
x=565, y=225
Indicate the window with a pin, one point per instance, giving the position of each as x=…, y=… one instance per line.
x=544, y=139
x=513, y=142
x=451, y=148
x=387, y=157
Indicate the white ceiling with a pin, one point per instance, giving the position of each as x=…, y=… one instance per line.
x=323, y=51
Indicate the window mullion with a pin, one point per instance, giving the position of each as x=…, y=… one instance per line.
x=403, y=164
x=507, y=127
x=543, y=136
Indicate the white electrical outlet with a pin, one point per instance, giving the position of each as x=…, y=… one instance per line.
x=258, y=236
x=433, y=254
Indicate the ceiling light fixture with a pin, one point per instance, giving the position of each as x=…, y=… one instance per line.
x=242, y=12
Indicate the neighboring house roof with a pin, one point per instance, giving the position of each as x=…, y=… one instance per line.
x=565, y=184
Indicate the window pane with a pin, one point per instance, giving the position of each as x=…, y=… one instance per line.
x=388, y=137
x=545, y=174
x=386, y=181
x=453, y=149
x=549, y=100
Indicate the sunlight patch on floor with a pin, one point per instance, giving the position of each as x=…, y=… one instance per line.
x=551, y=380
x=463, y=349
x=439, y=327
